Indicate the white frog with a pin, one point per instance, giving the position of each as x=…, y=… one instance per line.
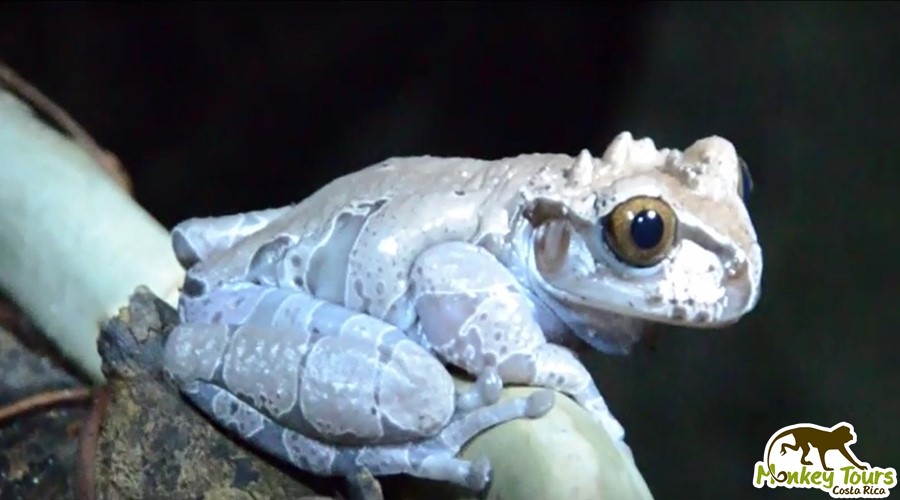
x=320, y=331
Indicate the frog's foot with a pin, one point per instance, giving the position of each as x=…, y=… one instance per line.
x=433, y=458
x=440, y=462
x=364, y=486
x=485, y=391
x=555, y=367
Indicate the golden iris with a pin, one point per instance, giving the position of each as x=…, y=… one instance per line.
x=641, y=230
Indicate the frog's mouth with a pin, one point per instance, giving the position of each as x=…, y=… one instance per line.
x=697, y=279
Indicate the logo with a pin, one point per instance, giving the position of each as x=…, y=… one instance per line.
x=789, y=462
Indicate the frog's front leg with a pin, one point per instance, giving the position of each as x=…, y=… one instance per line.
x=327, y=389
x=472, y=315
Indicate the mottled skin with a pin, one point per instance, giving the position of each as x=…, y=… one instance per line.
x=500, y=268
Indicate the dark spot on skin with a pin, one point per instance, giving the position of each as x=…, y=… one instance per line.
x=673, y=301
x=244, y=473
x=498, y=335
x=296, y=261
x=503, y=350
x=385, y=356
x=679, y=313
x=711, y=268
x=689, y=301
x=702, y=317
x=217, y=317
x=373, y=410
x=562, y=380
x=377, y=205
x=459, y=192
x=482, y=317
x=193, y=287
x=420, y=271
x=298, y=281
x=184, y=252
x=269, y=253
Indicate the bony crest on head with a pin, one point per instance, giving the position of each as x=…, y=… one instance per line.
x=581, y=172
x=712, y=168
x=626, y=152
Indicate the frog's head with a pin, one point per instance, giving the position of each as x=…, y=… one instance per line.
x=644, y=235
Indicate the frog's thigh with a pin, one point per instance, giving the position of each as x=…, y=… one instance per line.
x=473, y=316
x=196, y=239
x=469, y=308
x=317, y=368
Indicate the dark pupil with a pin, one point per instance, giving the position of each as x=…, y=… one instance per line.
x=646, y=229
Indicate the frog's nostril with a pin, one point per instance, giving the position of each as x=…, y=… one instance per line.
x=193, y=287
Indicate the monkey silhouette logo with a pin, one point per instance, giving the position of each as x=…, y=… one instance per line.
x=789, y=462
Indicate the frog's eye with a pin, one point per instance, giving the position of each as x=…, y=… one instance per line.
x=745, y=183
x=640, y=231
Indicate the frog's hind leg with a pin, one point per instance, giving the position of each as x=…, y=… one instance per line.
x=433, y=458
x=197, y=239
x=473, y=315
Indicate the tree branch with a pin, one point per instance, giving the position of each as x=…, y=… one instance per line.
x=73, y=244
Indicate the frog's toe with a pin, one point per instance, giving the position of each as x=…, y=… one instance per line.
x=480, y=475
x=489, y=386
x=539, y=403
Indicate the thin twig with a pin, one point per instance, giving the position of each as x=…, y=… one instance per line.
x=104, y=158
x=87, y=445
x=42, y=400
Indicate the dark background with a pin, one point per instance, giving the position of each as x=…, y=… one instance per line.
x=221, y=107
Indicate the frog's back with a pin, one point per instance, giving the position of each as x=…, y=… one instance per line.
x=402, y=177
x=353, y=242
x=359, y=235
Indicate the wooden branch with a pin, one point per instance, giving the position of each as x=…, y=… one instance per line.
x=74, y=246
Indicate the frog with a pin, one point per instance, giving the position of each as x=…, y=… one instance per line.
x=506, y=270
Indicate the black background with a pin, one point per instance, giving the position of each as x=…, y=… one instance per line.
x=222, y=107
